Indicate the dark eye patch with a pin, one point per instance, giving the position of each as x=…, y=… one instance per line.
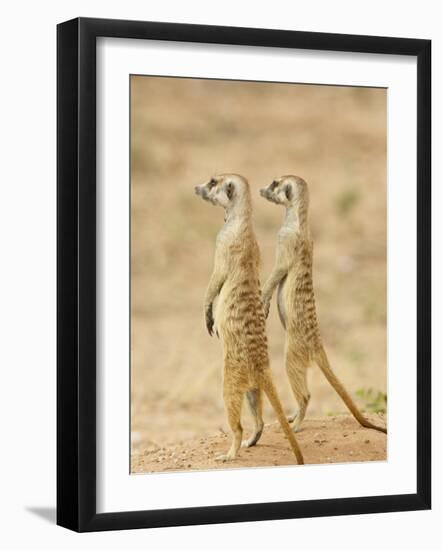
x=273, y=185
x=212, y=182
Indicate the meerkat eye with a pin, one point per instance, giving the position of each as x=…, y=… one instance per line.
x=273, y=185
x=212, y=182
x=289, y=192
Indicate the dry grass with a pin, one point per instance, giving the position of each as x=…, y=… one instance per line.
x=182, y=132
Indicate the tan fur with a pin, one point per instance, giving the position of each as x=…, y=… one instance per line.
x=239, y=318
x=292, y=274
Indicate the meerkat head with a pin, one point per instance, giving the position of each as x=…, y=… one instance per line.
x=287, y=191
x=225, y=190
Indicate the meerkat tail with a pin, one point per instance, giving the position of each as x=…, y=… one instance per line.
x=324, y=365
x=270, y=391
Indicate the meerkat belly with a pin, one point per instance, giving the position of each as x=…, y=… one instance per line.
x=241, y=323
x=220, y=308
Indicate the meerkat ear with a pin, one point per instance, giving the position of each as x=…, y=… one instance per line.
x=229, y=190
x=288, y=192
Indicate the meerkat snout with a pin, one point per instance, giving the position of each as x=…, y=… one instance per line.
x=277, y=192
x=204, y=189
x=286, y=191
x=200, y=190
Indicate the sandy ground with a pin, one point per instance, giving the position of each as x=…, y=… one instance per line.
x=322, y=440
x=182, y=132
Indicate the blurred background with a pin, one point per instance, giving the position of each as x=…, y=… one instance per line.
x=182, y=132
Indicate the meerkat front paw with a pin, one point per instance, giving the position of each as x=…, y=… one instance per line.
x=266, y=307
x=209, y=319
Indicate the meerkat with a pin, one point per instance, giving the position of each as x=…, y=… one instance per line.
x=292, y=274
x=239, y=315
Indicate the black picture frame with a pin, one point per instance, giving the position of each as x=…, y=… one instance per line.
x=77, y=288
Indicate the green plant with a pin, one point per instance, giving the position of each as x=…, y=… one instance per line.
x=373, y=401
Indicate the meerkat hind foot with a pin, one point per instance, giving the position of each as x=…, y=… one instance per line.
x=230, y=455
x=253, y=439
x=297, y=426
x=295, y=420
x=251, y=442
x=224, y=457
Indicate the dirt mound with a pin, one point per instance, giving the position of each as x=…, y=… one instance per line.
x=323, y=440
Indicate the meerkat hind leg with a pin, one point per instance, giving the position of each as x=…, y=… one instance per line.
x=254, y=399
x=297, y=374
x=233, y=398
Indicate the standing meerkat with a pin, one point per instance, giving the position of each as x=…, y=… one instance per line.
x=292, y=274
x=239, y=317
